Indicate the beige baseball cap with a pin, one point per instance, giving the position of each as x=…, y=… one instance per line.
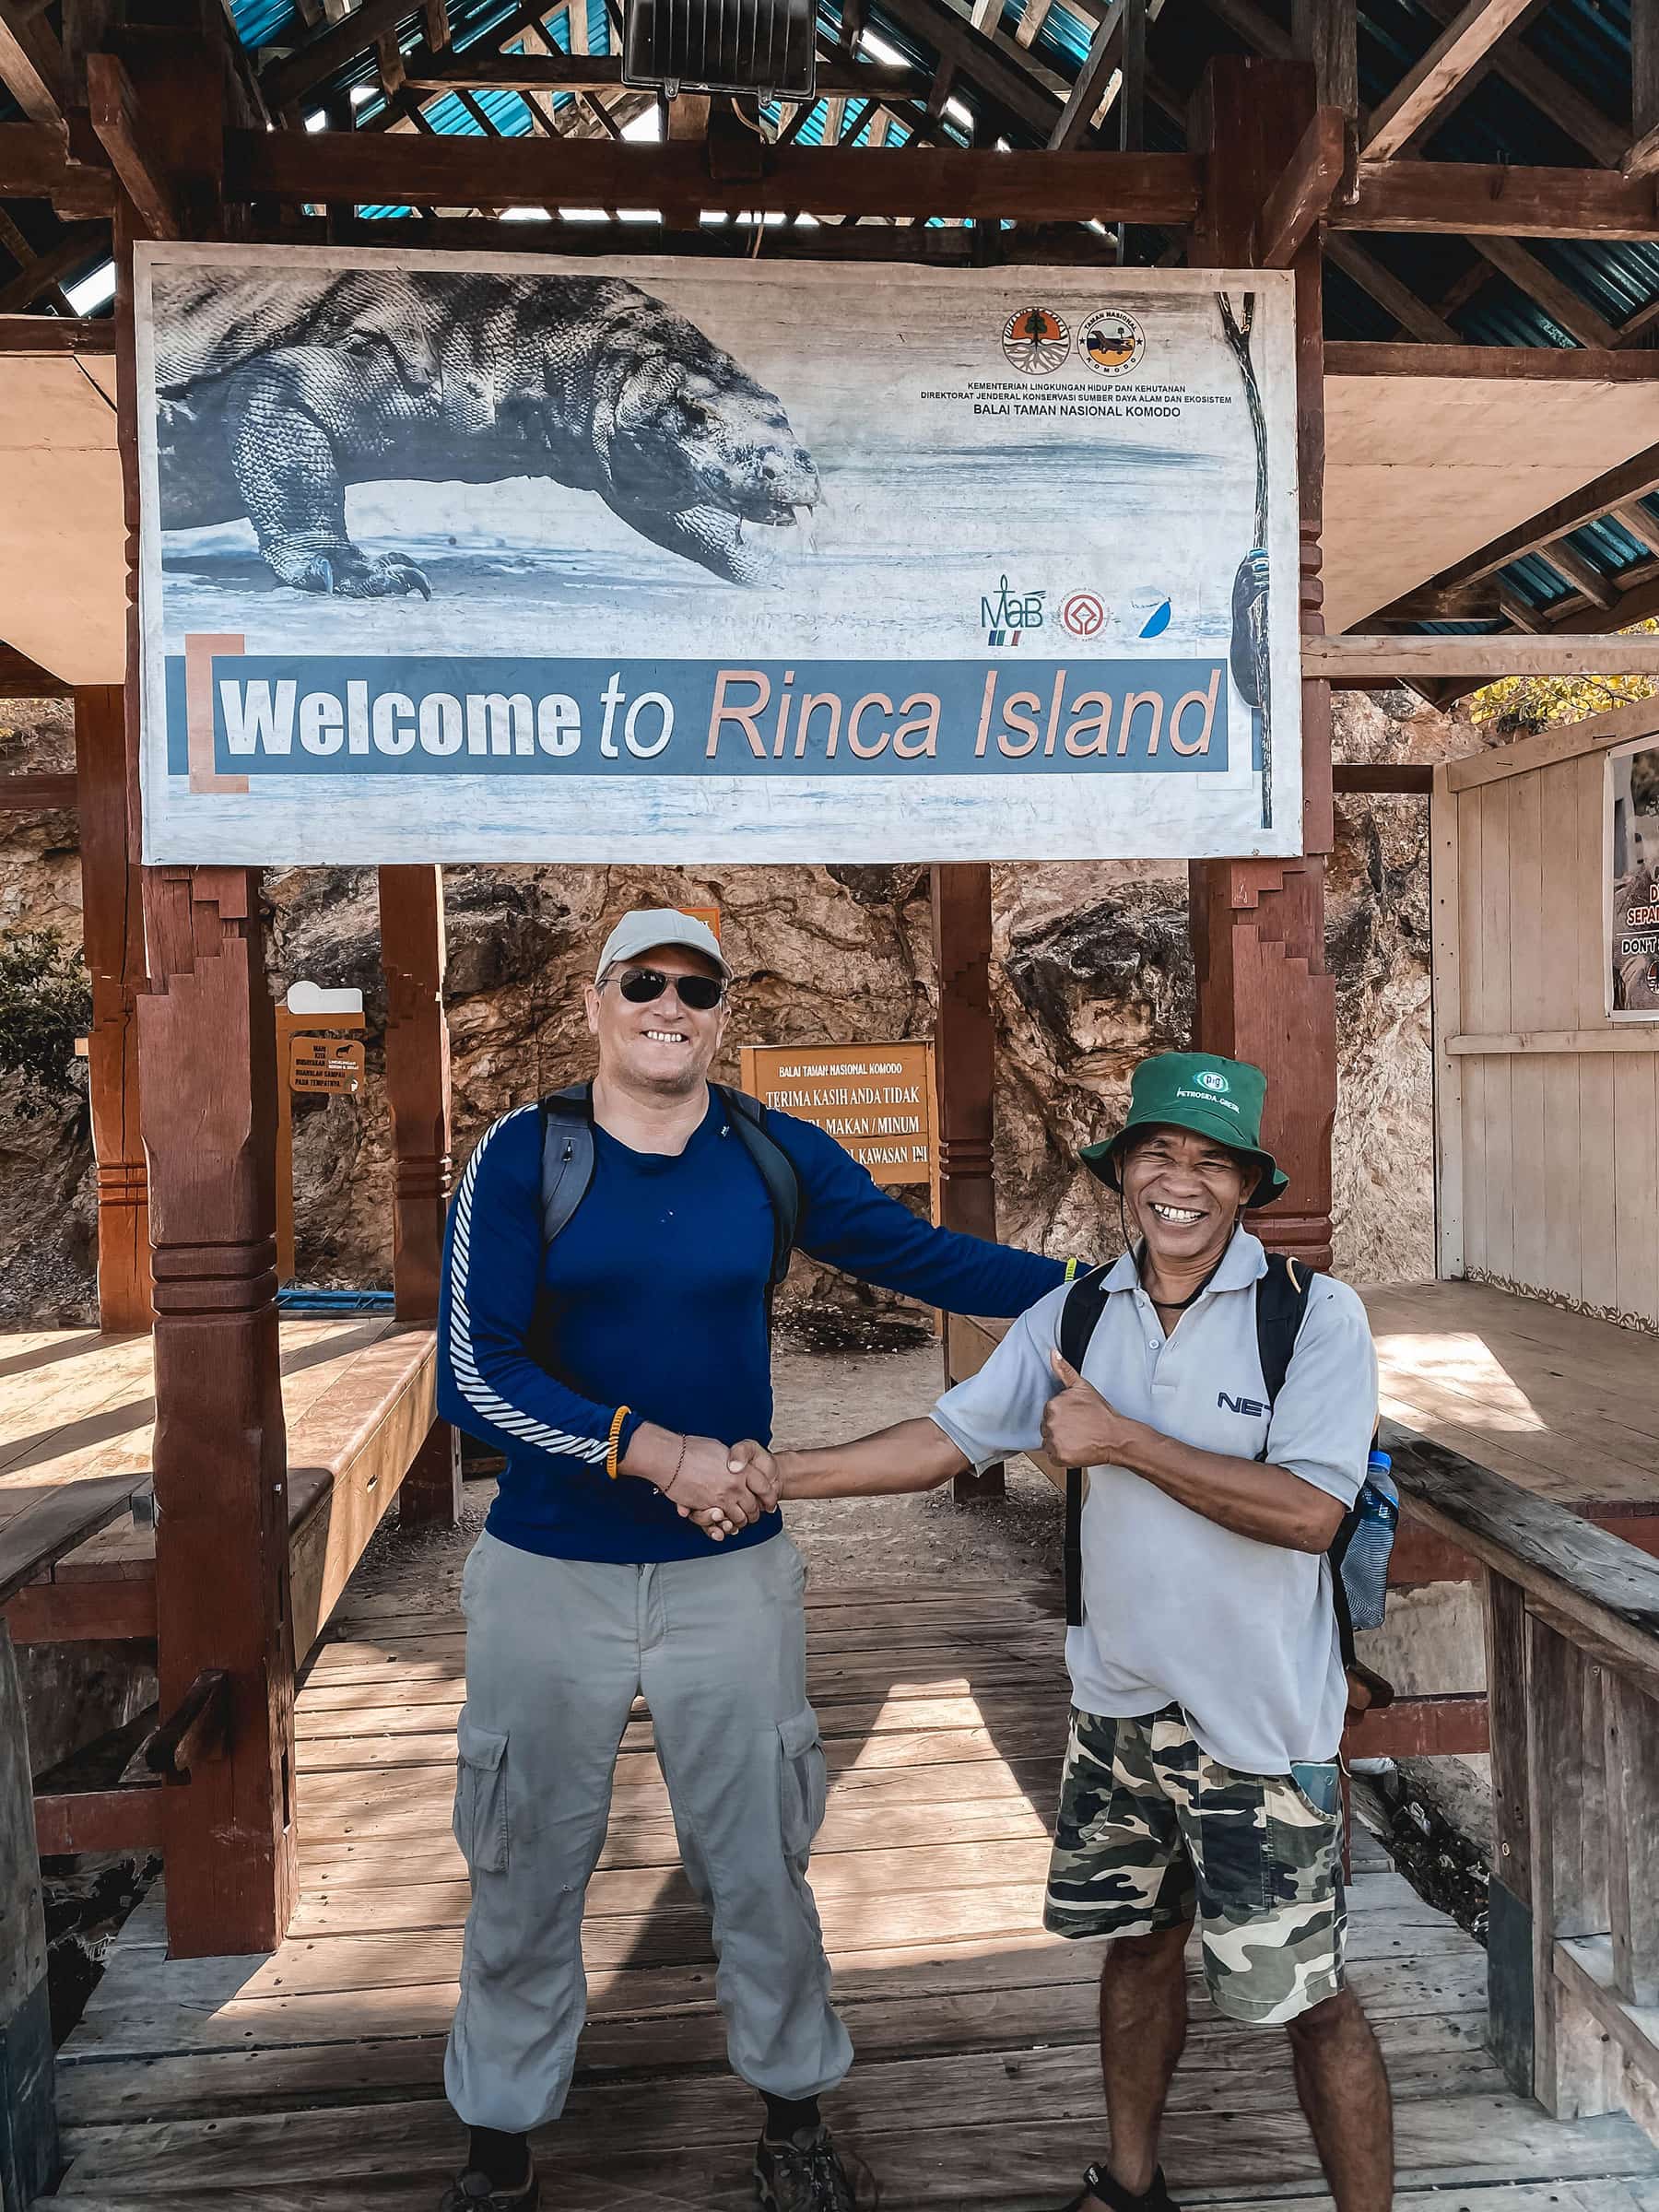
x=647, y=928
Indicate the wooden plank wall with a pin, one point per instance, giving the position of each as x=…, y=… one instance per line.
x=1548, y=1111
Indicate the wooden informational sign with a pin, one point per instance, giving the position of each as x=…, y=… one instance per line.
x=309, y=1062
x=877, y=1099
x=328, y=1064
x=1633, y=840
x=1049, y=598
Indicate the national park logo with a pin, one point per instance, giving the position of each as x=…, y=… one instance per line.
x=1112, y=342
x=1035, y=341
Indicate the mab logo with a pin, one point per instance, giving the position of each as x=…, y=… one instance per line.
x=1248, y=1407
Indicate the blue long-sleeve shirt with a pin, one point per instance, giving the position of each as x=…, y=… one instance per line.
x=657, y=1301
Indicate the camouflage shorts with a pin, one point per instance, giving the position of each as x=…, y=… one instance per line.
x=1153, y=1832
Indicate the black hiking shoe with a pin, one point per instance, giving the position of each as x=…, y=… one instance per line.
x=805, y=2174
x=1099, y=2183
x=475, y=2191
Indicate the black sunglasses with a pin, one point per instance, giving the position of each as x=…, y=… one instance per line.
x=702, y=993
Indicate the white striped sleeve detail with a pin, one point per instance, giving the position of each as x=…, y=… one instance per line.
x=478, y=1392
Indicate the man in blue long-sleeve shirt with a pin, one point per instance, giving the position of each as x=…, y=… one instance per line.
x=590, y=1583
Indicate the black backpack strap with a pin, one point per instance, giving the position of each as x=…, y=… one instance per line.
x=776, y=1171
x=1280, y=1310
x=567, y=1155
x=1079, y=1317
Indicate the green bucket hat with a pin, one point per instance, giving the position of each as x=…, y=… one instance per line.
x=1201, y=1091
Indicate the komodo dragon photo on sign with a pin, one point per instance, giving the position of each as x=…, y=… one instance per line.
x=275, y=396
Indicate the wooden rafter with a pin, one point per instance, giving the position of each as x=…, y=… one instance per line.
x=31, y=64
x=1304, y=192
x=1558, y=300
x=1494, y=199
x=541, y=71
x=1632, y=479
x=289, y=79
x=1589, y=582
x=1515, y=62
x=1410, y=312
x=1105, y=51
x=1432, y=83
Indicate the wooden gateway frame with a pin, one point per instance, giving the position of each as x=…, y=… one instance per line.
x=172, y=135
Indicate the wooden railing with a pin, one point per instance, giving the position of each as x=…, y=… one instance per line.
x=1572, y=1684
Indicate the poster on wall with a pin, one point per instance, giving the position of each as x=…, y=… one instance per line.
x=1634, y=883
x=689, y=561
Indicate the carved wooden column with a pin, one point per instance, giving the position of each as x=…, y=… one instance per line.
x=965, y=1074
x=418, y=1100
x=112, y=911
x=1258, y=926
x=208, y=1043
x=207, y=1073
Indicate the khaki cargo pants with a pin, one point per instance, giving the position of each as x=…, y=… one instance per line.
x=557, y=1650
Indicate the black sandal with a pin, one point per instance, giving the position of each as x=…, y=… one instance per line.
x=1099, y=2183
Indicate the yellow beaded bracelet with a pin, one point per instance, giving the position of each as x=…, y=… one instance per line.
x=618, y=1418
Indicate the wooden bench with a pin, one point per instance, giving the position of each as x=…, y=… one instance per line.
x=358, y=1398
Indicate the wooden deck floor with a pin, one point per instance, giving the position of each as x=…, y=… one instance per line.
x=312, y=2079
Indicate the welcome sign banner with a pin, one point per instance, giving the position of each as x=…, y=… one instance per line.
x=707, y=563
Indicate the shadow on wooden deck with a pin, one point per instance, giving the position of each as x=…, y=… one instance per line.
x=313, y=2078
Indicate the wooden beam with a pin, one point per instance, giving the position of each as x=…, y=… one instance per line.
x=118, y=1819
x=1558, y=300
x=31, y=66
x=1631, y=479
x=557, y=72
x=113, y=930
x=506, y=172
x=1639, y=524
x=417, y=1081
x=1643, y=158
x=1532, y=364
x=1415, y=777
x=22, y=679
x=33, y=166
x=1380, y=661
x=114, y=118
x=1552, y=96
x=1325, y=32
x=1012, y=80
x=1597, y=589
x=103, y=1612
x=1304, y=191
x=1493, y=199
x=1104, y=48
x=56, y=335
x=36, y=795
x=1431, y=85
x=289, y=78
x=1387, y=290
x=47, y=271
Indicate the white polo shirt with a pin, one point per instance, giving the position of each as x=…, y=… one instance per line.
x=1178, y=1609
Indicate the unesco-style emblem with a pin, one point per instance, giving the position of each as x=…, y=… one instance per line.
x=1084, y=614
x=1035, y=341
x=1112, y=342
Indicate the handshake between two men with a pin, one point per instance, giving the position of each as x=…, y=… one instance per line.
x=723, y=1491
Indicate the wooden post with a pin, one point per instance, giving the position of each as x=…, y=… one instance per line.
x=418, y=1100
x=1510, y=1896
x=1258, y=926
x=207, y=1069
x=207, y=1043
x=417, y=1081
x=965, y=1070
x=112, y=905
x=29, y=2152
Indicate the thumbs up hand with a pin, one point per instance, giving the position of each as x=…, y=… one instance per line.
x=1080, y=1428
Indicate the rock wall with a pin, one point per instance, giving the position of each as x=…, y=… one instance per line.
x=1092, y=970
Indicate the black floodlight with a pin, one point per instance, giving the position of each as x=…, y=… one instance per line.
x=758, y=46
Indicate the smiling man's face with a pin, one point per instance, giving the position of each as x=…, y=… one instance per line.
x=662, y=1045
x=1183, y=1193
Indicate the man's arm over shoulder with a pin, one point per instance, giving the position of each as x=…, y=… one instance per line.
x=487, y=1383
x=848, y=1221
x=1326, y=1414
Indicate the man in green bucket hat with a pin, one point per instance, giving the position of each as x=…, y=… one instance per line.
x=1201, y=1781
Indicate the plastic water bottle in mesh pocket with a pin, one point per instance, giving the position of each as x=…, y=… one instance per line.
x=1365, y=1562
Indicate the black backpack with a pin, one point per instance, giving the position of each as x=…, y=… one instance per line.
x=1281, y=1308
x=567, y=1173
